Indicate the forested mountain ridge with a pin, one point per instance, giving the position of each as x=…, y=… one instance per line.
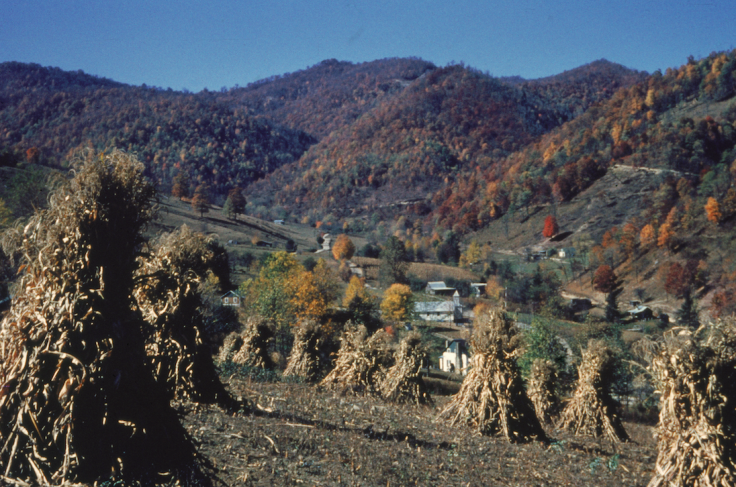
x=327, y=96
x=635, y=127
x=448, y=122
x=235, y=137
x=577, y=89
x=45, y=113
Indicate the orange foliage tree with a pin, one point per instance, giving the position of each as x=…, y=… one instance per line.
x=628, y=240
x=664, y=239
x=678, y=280
x=201, y=201
x=550, y=227
x=647, y=236
x=180, y=189
x=343, y=248
x=713, y=210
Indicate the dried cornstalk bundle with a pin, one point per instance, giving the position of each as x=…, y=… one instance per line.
x=168, y=295
x=695, y=373
x=541, y=389
x=361, y=363
x=403, y=382
x=492, y=398
x=78, y=401
x=592, y=411
x=230, y=345
x=308, y=355
x=256, y=337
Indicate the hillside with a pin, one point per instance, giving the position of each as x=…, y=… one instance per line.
x=234, y=137
x=46, y=113
x=325, y=97
x=578, y=89
x=402, y=147
x=661, y=199
x=452, y=121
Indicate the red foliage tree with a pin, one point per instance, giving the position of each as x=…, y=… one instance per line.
x=604, y=279
x=678, y=281
x=550, y=227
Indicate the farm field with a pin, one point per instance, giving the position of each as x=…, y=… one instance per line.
x=298, y=435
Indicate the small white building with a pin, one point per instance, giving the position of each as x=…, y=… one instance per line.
x=566, y=253
x=455, y=358
x=477, y=289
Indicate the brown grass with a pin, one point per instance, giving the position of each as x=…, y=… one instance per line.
x=420, y=270
x=169, y=279
x=256, y=337
x=307, y=358
x=78, y=399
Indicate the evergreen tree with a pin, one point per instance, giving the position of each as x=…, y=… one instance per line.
x=234, y=204
x=393, y=262
x=688, y=312
x=612, y=314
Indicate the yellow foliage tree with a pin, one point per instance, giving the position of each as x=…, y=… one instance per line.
x=397, y=303
x=472, y=255
x=647, y=236
x=306, y=298
x=326, y=281
x=343, y=248
x=355, y=289
x=494, y=289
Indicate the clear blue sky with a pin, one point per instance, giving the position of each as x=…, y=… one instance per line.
x=197, y=44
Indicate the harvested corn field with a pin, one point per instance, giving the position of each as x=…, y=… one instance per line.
x=301, y=436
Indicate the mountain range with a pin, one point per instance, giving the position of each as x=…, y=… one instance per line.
x=404, y=147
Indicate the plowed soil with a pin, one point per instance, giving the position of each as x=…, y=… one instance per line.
x=297, y=435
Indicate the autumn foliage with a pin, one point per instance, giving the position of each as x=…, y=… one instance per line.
x=550, y=227
x=397, y=303
x=713, y=211
x=604, y=279
x=343, y=248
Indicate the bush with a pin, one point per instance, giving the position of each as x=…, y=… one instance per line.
x=309, y=263
x=417, y=284
x=370, y=250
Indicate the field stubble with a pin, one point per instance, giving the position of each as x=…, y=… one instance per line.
x=299, y=435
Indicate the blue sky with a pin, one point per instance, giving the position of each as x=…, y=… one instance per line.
x=197, y=44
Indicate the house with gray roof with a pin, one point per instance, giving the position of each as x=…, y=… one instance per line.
x=445, y=311
x=439, y=288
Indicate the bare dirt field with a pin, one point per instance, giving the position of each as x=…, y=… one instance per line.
x=297, y=435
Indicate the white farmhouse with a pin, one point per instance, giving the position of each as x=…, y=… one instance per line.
x=455, y=358
x=444, y=311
